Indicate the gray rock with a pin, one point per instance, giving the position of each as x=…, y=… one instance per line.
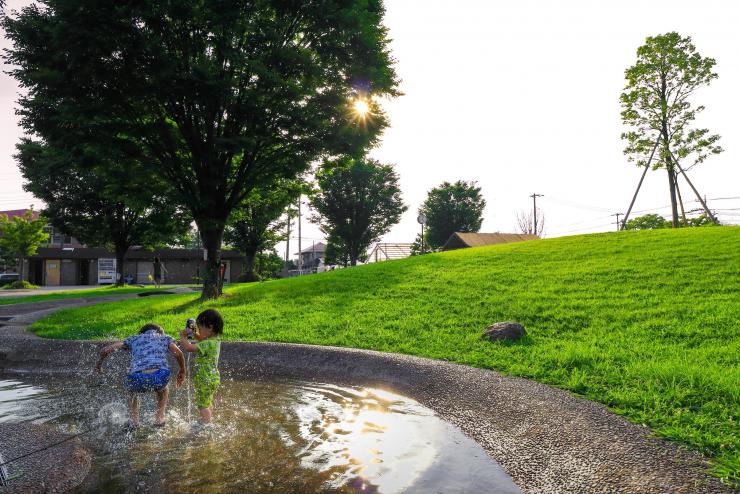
x=504, y=331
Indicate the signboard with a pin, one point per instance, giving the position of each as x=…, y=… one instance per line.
x=106, y=271
x=422, y=219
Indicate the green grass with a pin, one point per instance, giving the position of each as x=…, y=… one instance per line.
x=105, y=291
x=644, y=322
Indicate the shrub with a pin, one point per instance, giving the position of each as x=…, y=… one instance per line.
x=21, y=285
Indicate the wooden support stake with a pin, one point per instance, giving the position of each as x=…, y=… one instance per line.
x=647, y=167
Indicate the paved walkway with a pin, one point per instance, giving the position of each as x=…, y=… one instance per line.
x=548, y=440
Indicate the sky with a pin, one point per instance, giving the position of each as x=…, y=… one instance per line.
x=522, y=97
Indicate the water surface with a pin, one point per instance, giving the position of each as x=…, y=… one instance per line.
x=268, y=437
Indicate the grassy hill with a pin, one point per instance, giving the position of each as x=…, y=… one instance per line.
x=646, y=322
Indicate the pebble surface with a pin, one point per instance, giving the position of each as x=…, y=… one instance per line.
x=546, y=439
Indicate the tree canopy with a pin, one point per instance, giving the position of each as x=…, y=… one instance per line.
x=357, y=201
x=656, y=106
x=255, y=226
x=97, y=201
x=450, y=208
x=218, y=98
x=22, y=236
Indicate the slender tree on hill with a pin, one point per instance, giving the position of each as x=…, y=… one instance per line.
x=451, y=208
x=218, y=98
x=656, y=107
x=255, y=226
x=358, y=201
x=99, y=203
x=21, y=236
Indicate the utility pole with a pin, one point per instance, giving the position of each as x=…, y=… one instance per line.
x=617, y=215
x=534, y=210
x=300, y=253
x=287, y=240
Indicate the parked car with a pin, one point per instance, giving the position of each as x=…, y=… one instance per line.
x=8, y=278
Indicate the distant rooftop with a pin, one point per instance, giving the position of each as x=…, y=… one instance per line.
x=461, y=240
x=317, y=247
x=19, y=212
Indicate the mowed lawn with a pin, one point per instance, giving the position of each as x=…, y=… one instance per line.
x=105, y=291
x=647, y=323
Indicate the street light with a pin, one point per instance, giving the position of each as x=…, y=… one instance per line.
x=422, y=219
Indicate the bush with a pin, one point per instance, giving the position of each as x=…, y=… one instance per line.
x=20, y=285
x=647, y=222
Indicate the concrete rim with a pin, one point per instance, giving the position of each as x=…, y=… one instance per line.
x=546, y=439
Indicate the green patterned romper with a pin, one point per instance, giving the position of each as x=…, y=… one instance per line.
x=206, y=377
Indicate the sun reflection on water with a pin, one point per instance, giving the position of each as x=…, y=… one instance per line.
x=376, y=434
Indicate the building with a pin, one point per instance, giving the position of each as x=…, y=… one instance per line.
x=312, y=256
x=54, y=266
x=64, y=261
x=462, y=240
x=388, y=252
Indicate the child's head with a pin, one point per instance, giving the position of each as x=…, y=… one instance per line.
x=210, y=319
x=151, y=327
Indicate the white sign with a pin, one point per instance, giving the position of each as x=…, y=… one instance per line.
x=106, y=271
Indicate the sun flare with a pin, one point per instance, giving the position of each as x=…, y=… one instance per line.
x=362, y=108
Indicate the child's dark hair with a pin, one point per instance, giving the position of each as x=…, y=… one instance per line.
x=151, y=327
x=211, y=318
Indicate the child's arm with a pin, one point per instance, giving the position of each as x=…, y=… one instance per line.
x=174, y=350
x=185, y=344
x=107, y=351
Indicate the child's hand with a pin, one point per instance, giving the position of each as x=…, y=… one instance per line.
x=180, y=378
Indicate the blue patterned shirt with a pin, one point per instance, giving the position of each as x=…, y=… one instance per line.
x=148, y=351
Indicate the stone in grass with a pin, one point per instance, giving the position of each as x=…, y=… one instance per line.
x=502, y=331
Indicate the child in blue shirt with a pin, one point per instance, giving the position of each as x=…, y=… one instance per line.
x=149, y=369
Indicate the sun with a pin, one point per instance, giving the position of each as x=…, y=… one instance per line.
x=361, y=108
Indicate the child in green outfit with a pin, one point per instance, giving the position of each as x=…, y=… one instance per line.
x=206, y=378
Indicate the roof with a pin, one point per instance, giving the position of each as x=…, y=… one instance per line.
x=132, y=255
x=19, y=212
x=460, y=240
x=389, y=251
x=317, y=247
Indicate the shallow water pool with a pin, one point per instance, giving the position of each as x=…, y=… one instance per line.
x=268, y=437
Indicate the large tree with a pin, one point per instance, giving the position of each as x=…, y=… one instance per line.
x=21, y=236
x=656, y=106
x=98, y=202
x=219, y=98
x=255, y=226
x=451, y=208
x=357, y=201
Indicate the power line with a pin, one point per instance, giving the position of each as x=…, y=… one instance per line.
x=578, y=205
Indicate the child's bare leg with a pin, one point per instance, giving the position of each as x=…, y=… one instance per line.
x=162, y=397
x=205, y=415
x=133, y=406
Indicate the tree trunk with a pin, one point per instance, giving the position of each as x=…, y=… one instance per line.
x=21, y=263
x=121, y=251
x=212, y=235
x=667, y=150
x=250, y=255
